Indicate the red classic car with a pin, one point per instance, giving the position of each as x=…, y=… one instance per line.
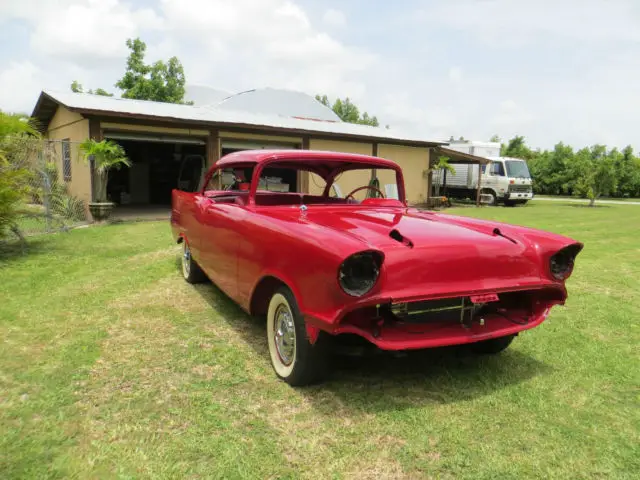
x=322, y=264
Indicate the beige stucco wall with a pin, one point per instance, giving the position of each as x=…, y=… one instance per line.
x=259, y=137
x=153, y=129
x=348, y=180
x=72, y=126
x=414, y=161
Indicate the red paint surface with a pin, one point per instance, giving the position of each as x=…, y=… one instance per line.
x=240, y=243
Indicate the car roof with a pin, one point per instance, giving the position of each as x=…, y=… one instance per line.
x=312, y=157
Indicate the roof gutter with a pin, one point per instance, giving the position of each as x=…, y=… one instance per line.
x=258, y=128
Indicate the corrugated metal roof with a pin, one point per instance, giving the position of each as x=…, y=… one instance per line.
x=98, y=104
x=286, y=103
x=201, y=95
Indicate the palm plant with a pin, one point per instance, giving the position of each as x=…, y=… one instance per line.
x=441, y=167
x=106, y=155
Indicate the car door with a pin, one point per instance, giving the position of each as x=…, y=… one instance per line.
x=220, y=218
x=219, y=242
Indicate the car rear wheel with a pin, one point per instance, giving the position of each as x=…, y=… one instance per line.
x=294, y=358
x=493, y=346
x=191, y=271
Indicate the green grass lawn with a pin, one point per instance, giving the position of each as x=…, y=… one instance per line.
x=112, y=366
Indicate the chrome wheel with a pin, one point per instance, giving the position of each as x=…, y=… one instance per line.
x=285, y=334
x=186, y=260
x=295, y=358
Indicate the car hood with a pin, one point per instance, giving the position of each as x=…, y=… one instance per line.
x=434, y=253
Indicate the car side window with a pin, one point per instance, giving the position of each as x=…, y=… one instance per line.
x=230, y=179
x=497, y=169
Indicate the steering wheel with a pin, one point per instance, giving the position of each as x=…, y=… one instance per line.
x=367, y=187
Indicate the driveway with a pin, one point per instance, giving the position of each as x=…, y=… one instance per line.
x=586, y=201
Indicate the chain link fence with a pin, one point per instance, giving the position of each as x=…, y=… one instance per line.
x=48, y=205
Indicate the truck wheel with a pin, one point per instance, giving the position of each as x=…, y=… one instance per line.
x=493, y=346
x=294, y=359
x=191, y=271
x=494, y=200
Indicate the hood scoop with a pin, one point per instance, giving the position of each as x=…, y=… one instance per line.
x=398, y=237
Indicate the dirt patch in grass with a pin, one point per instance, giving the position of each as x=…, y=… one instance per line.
x=169, y=292
x=380, y=467
x=155, y=255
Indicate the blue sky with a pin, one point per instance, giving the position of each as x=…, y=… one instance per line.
x=547, y=70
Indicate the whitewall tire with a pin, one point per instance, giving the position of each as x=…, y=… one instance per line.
x=191, y=271
x=294, y=359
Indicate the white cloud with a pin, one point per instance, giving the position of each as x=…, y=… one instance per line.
x=548, y=70
x=455, y=74
x=20, y=83
x=510, y=24
x=253, y=43
x=334, y=18
x=87, y=30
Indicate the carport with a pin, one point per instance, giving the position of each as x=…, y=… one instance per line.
x=457, y=157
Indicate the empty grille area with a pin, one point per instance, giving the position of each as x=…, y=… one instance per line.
x=460, y=310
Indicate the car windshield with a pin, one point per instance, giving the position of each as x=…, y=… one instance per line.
x=517, y=168
x=282, y=184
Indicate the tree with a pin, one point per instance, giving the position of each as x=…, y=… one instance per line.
x=14, y=176
x=160, y=82
x=517, y=148
x=76, y=87
x=551, y=170
x=106, y=155
x=595, y=173
x=348, y=111
x=626, y=172
x=495, y=138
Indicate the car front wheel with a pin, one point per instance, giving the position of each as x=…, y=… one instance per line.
x=294, y=358
x=492, y=346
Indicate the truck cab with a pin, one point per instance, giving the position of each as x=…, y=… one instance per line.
x=507, y=180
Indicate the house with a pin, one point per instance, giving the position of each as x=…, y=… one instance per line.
x=158, y=137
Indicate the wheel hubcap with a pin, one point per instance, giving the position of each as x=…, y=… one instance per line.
x=285, y=334
x=186, y=260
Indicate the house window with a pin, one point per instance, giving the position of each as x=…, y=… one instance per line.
x=66, y=160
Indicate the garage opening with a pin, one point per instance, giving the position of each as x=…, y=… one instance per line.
x=158, y=165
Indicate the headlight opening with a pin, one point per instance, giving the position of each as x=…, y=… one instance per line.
x=359, y=273
x=561, y=263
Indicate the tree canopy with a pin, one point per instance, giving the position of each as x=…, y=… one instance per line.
x=348, y=111
x=14, y=176
x=590, y=172
x=77, y=88
x=160, y=82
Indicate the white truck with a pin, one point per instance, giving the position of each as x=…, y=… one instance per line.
x=504, y=180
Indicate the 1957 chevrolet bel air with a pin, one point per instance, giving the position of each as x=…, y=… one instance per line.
x=322, y=265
